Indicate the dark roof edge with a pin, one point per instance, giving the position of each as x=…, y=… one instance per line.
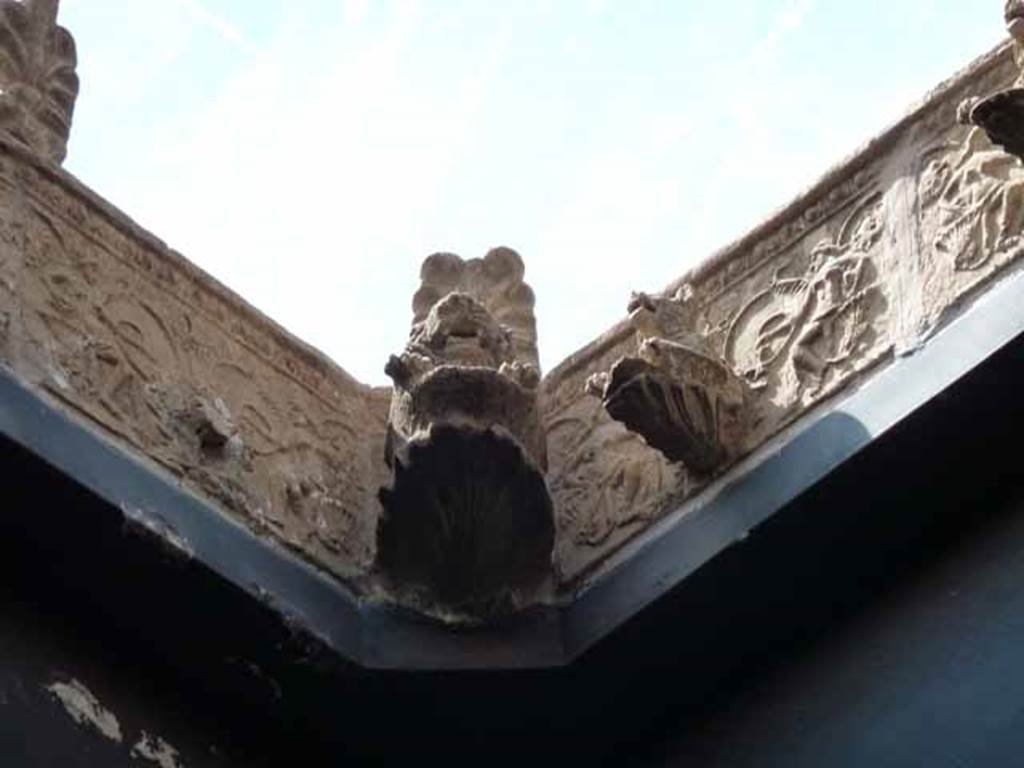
x=377, y=636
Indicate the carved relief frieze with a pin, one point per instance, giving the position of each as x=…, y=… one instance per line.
x=810, y=322
x=606, y=481
x=869, y=263
x=970, y=215
x=693, y=396
x=766, y=247
x=734, y=363
x=11, y=242
x=127, y=335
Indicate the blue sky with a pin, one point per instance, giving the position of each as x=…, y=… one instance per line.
x=311, y=154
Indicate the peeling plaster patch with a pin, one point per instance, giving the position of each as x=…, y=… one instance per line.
x=156, y=750
x=84, y=708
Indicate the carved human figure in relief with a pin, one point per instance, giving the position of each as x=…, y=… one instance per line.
x=38, y=84
x=676, y=392
x=467, y=528
x=835, y=302
x=815, y=320
x=976, y=195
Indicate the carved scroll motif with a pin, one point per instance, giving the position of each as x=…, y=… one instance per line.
x=468, y=527
x=38, y=84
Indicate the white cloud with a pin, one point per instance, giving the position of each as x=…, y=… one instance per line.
x=789, y=19
x=222, y=26
x=356, y=10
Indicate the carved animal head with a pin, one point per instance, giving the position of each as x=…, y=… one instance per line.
x=495, y=283
x=459, y=329
x=672, y=316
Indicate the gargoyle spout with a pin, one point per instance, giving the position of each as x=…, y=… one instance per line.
x=467, y=526
x=1001, y=115
x=675, y=393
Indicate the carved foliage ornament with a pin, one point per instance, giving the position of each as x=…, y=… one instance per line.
x=38, y=84
x=467, y=527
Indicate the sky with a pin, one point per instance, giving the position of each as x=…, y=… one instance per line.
x=310, y=154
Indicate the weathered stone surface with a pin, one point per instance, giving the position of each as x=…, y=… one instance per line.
x=38, y=84
x=467, y=527
x=125, y=333
x=867, y=264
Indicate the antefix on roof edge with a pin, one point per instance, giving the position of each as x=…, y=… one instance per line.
x=109, y=324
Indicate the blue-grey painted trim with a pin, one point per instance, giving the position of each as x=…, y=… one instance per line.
x=380, y=637
x=368, y=635
x=148, y=498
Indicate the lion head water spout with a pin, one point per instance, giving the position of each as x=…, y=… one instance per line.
x=467, y=528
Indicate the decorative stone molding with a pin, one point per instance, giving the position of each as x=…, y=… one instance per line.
x=467, y=526
x=38, y=84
